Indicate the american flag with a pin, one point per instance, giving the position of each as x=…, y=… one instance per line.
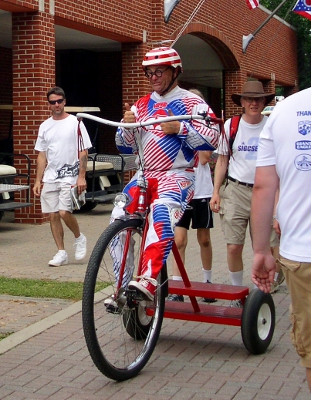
x=252, y=3
x=303, y=7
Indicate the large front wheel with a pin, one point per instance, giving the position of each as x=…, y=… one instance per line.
x=120, y=340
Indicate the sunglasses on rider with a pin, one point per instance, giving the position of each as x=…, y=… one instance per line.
x=53, y=102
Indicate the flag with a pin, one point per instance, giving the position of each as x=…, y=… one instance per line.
x=252, y=3
x=303, y=7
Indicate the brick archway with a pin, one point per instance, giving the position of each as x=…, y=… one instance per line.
x=217, y=40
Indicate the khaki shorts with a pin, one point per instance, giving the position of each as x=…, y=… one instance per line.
x=56, y=196
x=298, y=278
x=235, y=212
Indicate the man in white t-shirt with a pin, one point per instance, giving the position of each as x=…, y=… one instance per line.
x=284, y=162
x=61, y=164
x=238, y=165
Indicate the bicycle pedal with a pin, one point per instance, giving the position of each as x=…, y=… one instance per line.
x=134, y=295
x=111, y=309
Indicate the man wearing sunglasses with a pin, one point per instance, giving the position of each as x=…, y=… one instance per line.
x=63, y=146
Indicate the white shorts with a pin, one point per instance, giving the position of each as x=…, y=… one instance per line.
x=56, y=196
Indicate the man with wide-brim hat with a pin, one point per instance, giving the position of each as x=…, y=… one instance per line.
x=236, y=165
x=252, y=89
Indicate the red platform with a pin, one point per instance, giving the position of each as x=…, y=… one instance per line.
x=201, y=289
x=211, y=313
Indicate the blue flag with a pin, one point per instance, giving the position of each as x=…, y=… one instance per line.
x=303, y=7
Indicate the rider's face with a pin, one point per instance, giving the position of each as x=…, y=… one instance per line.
x=160, y=83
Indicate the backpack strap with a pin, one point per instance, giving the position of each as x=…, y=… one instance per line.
x=234, y=126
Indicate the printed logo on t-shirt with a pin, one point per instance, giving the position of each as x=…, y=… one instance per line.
x=68, y=170
x=249, y=149
x=304, y=127
x=303, y=145
x=303, y=162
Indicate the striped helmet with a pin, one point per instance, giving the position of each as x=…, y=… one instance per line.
x=162, y=56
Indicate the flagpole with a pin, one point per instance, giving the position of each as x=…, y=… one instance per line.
x=247, y=39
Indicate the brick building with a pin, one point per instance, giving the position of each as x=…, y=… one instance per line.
x=93, y=49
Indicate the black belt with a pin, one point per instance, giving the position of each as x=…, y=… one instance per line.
x=249, y=185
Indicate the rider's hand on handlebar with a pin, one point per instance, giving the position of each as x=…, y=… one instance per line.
x=172, y=127
x=129, y=116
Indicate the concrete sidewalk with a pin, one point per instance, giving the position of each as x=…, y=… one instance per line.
x=47, y=358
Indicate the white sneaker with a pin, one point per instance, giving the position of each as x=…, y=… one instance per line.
x=111, y=305
x=80, y=245
x=60, y=258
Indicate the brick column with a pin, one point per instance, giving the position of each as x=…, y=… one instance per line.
x=33, y=51
x=269, y=87
x=233, y=82
x=135, y=84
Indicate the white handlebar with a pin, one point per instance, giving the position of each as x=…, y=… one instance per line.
x=138, y=124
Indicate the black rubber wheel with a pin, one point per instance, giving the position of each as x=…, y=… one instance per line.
x=258, y=321
x=120, y=342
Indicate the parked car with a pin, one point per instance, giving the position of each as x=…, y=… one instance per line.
x=267, y=110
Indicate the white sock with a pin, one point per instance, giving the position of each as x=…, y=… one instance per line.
x=176, y=278
x=207, y=275
x=236, y=278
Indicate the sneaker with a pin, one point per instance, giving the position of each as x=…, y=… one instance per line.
x=208, y=299
x=275, y=287
x=175, y=297
x=111, y=305
x=236, y=303
x=80, y=245
x=281, y=277
x=147, y=286
x=60, y=258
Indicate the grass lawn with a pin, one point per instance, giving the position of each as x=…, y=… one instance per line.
x=43, y=288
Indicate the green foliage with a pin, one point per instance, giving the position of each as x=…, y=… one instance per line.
x=303, y=28
x=5, y=335
x=43, y=288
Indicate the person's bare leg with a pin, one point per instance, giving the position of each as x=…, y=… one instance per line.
x=204, y=240
x=308, y=375
x=234, y=257
x=181, y=240
x=57, y=230
x=71, y=222
x=235, y=263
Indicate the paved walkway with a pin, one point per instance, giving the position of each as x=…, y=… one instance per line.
x=46, y=357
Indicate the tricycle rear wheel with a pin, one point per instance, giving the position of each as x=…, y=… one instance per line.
x=258, y=321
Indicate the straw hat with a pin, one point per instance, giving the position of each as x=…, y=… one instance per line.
x=252, y=89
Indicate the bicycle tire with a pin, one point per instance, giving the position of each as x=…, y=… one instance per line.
x=120, y=343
